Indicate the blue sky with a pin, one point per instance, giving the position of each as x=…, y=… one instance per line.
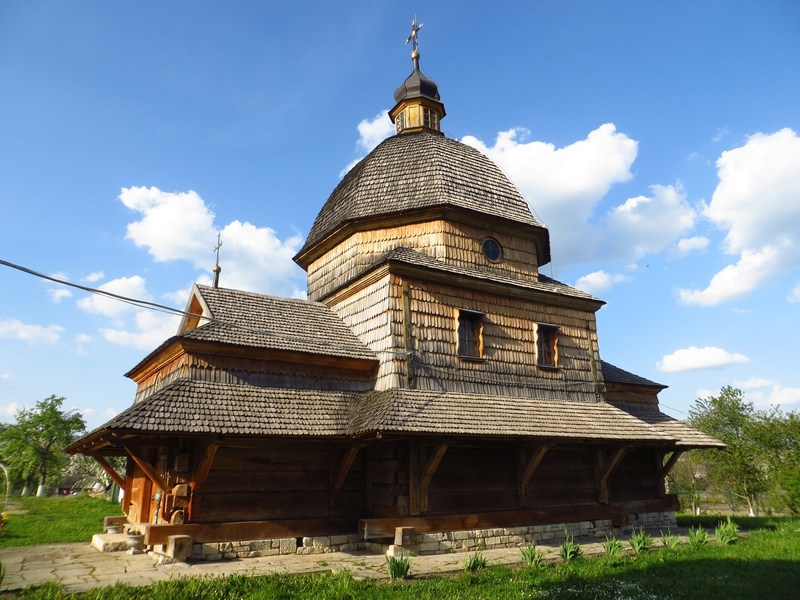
x=659, y=141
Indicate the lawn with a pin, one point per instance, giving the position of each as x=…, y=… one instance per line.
x=764, y=564
x=56, y=520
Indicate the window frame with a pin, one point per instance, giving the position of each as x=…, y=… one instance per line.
x=549, y=334
x=469, y=321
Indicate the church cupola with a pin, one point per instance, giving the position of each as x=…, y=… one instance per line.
x=419, y=107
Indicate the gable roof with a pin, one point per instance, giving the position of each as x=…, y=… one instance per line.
x=417, y=171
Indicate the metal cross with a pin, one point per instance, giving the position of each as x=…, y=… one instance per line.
x=414, y=30
x=219, y=245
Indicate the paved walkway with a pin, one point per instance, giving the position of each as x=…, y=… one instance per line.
x=79, y=567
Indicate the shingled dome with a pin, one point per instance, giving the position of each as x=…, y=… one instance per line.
x=421, y=171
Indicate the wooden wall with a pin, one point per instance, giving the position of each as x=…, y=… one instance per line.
x=565, y=476
x=279, y=479
x=636, y=477
x=454, y=243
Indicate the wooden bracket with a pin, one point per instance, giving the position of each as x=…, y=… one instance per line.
x=428, y=471
x=528, y=470
x=147, y=468
x=339, y=474
x=665, y=469
x=200, y=476
x=604, y=472
x=119, y=480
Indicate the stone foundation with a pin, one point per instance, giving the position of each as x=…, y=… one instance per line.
x=408, y=540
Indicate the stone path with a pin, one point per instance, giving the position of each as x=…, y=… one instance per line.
x=79, y=567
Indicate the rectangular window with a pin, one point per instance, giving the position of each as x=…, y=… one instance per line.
x=547, y=346
x=470, y=330
x=429, y=118
x=400, y=122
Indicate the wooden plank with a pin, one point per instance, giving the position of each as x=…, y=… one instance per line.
x=380, y=528
x=414, y=504
x=110, y=470
x=250, y=530
x=147, y=468
x=204, y=467
x=665, y=469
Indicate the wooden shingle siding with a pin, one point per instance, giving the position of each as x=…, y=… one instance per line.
x=509, y=347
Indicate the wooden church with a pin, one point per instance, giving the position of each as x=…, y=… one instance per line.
x=435, y=391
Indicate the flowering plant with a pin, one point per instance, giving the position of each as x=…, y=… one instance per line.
x=134, y=531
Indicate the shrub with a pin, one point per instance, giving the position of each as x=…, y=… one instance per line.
x=613, y=547
x=726, y=532
x=398, y=566
x=570, y=550
x=475, y=562
x=698, y=537
x=532, y=556
x=641, y=541
x=669, y=540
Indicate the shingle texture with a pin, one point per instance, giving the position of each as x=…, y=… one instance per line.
x=258, y=321
x=614, y=374
x=545, y=284
x=417, y=171
x=202, y=408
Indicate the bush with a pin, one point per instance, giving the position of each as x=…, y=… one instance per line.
x=532, y=556
x=613, y=547
x=398, y=566
x=669, y=540
x=726, y=532
x=641, y=541
x=570, y=550
x=698, y=537
x=474, y=563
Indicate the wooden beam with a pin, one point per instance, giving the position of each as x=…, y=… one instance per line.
x=528, y=470
x=413, y=477
x=606, y=468
x=148, y=469
x=664, y=470
x=204, y=467
x=339, y=474
x=118, y=479
x=427, y=473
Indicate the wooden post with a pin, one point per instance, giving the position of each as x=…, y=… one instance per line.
x=413, y=477
x=526, y=469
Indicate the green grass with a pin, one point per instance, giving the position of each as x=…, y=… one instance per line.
x=57, y=520
x=764, y=564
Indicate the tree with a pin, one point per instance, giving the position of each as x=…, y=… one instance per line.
x=741, y=470
x=34, y=446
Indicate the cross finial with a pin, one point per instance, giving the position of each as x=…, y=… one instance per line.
x=217, y=268
x=414, y=30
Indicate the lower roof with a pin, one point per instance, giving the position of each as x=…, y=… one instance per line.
x=187, y=407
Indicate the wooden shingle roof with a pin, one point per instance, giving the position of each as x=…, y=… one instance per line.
x=614, y=374
x=418, y=171
x=187, y=407
x=259, y=321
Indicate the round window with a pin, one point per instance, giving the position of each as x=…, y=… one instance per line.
x=492, y=249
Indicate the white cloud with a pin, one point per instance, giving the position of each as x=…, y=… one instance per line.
x=754, y=383
x=151, y=329
x=648, y=224
x=794, y=294
x=9, y=410
x=17, y=330
x=5, y=379
x=756, y=203
x=180, y=226
x=599, y=281
x=693, y=358
x=686, y=246
x=564, y=186
x=57, y=294
x=83, y=338
x=130, y=287
x=94, y=277
x=371, y=132
x=783, y=395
